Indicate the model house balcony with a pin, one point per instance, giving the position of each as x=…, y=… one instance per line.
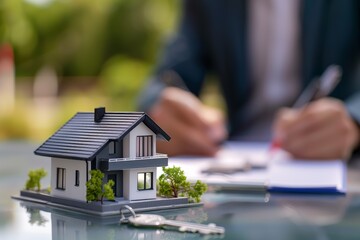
x=114, y=164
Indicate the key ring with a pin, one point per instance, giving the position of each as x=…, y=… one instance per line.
x=123, y=219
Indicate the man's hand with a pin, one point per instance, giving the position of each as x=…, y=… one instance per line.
x=194, y=128
x=321, y=130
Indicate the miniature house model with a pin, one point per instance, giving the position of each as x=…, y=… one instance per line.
x=121, y=144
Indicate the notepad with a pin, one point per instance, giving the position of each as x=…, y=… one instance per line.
x=288, y=175
x=281, y=174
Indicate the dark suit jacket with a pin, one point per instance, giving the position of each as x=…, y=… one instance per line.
x=212, y=38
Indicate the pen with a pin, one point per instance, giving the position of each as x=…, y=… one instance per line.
x=317, y=89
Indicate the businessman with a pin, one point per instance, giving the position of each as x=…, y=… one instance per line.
x=264, y=53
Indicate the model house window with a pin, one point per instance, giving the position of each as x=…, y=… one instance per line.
x=144, y=146
x=77, y=178
x=60, y=178
x=112, y=147
x=145, y=181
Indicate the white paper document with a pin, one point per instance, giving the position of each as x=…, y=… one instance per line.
x=288, y=175
x=248, y=166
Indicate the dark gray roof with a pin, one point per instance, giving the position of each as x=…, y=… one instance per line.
x=82, y=138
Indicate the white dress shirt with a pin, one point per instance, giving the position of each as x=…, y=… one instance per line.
x=274, y=54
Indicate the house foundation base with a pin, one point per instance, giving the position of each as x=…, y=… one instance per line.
x=108, y=208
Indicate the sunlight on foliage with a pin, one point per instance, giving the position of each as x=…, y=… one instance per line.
x=101, y=51
x=78, y=37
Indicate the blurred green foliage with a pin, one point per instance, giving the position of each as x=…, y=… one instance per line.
x=102, y=51
x=79, y=37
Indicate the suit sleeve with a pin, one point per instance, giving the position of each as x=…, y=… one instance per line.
x=353, y=107
x=353, y=102
x=182, y=62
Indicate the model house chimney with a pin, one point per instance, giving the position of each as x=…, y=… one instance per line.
x=99, y=113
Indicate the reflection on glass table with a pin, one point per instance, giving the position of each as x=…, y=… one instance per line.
x=259, y=217
x=60, y=224
x=244, y=215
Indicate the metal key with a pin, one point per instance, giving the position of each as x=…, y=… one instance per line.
x=152, y=220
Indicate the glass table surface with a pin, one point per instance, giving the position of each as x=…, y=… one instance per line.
x=244, y=215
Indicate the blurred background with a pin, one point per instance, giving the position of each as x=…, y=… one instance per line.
x=58, y=57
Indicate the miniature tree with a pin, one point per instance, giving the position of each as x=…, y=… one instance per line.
x=34, y=179
x=108, y=192
x=196, y=191
x=172, y=183
x=96, y=190
x=93, y=186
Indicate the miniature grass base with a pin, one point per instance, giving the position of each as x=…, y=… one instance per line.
x=108, y=207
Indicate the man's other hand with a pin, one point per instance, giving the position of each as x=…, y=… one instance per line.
x=195, y=129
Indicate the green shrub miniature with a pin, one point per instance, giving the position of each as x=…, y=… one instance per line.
x=173, y=183
x=34, y=179
x=108, y=190
x=96, y=190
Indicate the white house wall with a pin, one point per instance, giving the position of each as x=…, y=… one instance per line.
x=130, y=190
x=126, y=146
x=130, y=140
x=71, y=191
